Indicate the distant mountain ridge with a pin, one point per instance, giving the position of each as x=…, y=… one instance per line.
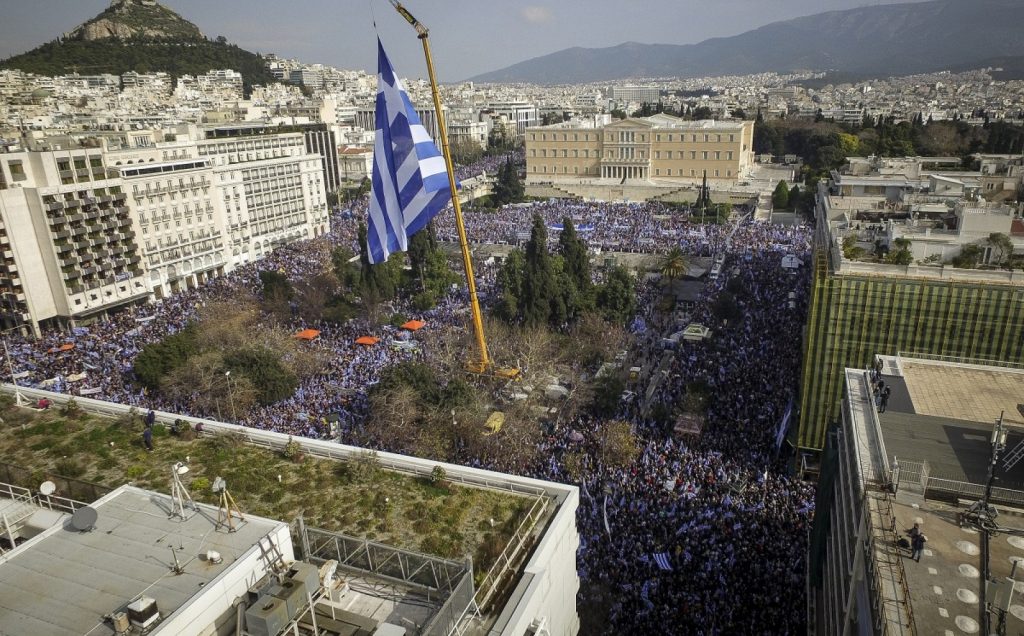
x=142, y=36
x=882, y=40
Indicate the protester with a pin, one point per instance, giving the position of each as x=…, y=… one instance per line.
x=701, y=534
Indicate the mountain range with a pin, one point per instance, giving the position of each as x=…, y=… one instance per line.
x=880, y=41
x=142, y=36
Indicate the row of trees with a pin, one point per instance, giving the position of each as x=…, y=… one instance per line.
x=824, y=145
x=537, y=288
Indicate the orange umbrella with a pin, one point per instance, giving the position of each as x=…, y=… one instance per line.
x=67, y=347
x=307, y=334
x=367, y=340
x=414, y=325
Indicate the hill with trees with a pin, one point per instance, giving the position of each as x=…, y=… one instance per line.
x=141, y=36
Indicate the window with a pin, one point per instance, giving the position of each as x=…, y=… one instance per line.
x=657, y=137
x=718, y=155
x=657, y=172
x=716, y=173
x=728, y=155
x=704, y=155
x=732, y=138
x=693, y=154
x=657, y=154
x=17, y=170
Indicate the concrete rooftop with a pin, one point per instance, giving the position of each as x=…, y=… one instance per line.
x=65, y=581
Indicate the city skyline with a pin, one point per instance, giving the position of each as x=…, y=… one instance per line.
x=463, y=39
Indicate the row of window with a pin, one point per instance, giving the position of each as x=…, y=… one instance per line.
x=629, y=136
x=668, y=172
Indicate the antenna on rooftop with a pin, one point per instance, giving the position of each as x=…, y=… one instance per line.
x=84, y=519
x=227, y=508
x=178, y=492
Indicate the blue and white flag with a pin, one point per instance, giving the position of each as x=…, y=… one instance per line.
x=661, y=559
x=780, y=433
x=410, y=179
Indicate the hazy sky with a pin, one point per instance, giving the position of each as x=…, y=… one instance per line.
x=467, y=36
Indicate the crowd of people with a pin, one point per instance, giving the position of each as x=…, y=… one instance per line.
x=703, y=533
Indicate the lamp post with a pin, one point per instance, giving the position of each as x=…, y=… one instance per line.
x=231, y=397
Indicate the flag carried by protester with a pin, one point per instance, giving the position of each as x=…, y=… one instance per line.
x=661, y=560
x=780, y=432
x=410, y=178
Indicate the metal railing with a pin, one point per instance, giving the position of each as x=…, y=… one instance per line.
x=916, y=476
x=979, y=362
x=893, y=614
x=512, y=555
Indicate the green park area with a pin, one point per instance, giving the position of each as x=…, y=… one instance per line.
x=356, y=497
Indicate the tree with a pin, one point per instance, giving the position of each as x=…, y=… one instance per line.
x=901, y=255
x=968, y=257
x=794, y=198
x=725, y=307
x=616, y=298
x=276, y=286
x=539, y=280
x=1002, y=247
x=377, y=282
x=618, y=113
x=780, y=198
x=272, y=380
x=702, y=112
x=508, y=188
x=160, y=358
x=675, y=264
x=510, y=285
x=617, y=445
x=574, y=252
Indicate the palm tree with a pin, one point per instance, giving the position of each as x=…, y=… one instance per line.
x=675, y=264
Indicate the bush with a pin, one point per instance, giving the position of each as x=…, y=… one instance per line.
x=272, y=380
x=438, y=476
x=293, y=450
x=71, y=409
x=68, y=467
x=200, y=484
x=423, y=301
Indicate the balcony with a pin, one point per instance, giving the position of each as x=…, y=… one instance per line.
x=61, y=235
x=82, y=172
x=56, y=205
x=71, y=273
x=66, y=174
x=92, y=214
x=63, y=247
x=69, y=262
x=76, y=218
x=134, y=259
x=89, y=201
x=79, y=231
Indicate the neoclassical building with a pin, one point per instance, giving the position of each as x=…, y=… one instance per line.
x=656, y=149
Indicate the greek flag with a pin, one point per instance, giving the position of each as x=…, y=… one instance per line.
x=661, y=559
x=410, y=180
x=780, y=432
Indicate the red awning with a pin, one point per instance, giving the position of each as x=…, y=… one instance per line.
x=307, y=334
x=414, y=325
x=67, y=347
x=367, y=340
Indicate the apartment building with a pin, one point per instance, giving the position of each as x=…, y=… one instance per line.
x=271, y=189
x=656, y=148
x=631, y=93
x=70, y=252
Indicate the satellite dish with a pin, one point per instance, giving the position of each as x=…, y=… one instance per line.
x=219, y=485
x=84, y=519
x=180, y=468
x=47, y=488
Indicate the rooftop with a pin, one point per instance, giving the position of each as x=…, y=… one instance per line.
x=944, y=412
x=65, y=581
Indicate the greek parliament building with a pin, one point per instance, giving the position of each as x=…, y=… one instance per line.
x=860, y=307
x=660, y=149
x=95, y=223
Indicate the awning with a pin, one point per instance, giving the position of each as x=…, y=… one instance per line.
x=414, y=325
x=367, y=340
x=307, y=334
x=67, y=346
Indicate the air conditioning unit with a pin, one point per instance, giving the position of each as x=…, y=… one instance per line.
x=143, y=613
x=267, y=617
x=293, y=593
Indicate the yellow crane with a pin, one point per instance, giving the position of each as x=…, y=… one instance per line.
x=483, y=365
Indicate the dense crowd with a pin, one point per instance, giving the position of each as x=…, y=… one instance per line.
x=701, y=534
